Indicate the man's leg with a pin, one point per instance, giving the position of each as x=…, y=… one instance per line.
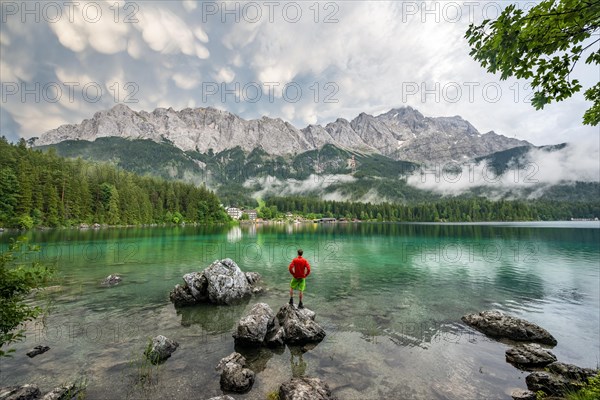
x=292, y=295
x=300, y=305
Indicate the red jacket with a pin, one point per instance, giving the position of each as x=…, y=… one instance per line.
x=299, y=267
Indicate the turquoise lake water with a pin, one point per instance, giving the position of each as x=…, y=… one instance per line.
x=390, y=297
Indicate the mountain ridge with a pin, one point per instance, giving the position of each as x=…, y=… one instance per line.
x=401, y=133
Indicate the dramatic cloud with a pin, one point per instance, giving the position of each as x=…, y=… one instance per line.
x=312, y=62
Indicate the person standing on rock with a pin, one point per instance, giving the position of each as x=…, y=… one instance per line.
x=300, y=269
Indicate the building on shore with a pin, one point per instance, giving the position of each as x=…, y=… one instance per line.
x=252, y=214
x=234, y=212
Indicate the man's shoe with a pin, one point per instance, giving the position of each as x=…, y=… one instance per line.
x=291, y=301
x=300, y=305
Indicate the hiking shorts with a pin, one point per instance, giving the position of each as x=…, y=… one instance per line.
x=298, y=284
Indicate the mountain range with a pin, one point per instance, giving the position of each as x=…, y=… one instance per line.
x=359, y=160
x=401, y=133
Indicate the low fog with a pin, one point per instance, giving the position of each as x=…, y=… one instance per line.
x=538, y=170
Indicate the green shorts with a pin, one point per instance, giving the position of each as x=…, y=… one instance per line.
x=298, y=283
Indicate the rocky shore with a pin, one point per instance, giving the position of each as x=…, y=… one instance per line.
x=548, y=377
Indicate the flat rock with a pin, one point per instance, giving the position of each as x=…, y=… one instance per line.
x=499, y=325
x=37, y=350
x=253, y=328
x=23, y=392
x=305, y=389
x=160, y=349
x=529, y=355
x=234, y=376
x=62, y=392
x=521, y=394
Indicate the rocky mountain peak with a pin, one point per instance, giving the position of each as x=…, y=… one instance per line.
x=402, y=133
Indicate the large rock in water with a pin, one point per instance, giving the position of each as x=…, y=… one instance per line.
x=253, y=328
x=234, y=377
x=299, y=326
x=223, y=282
x=499, y=325
x=529, y=355
x=305, y=389
x=160, y=349
x=291, y=325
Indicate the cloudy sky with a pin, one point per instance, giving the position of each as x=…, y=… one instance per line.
x=305, y=62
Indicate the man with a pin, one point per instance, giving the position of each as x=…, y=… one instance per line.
x=300, y=269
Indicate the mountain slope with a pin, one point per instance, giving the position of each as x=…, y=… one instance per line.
x=239, y=176
x=401, y=134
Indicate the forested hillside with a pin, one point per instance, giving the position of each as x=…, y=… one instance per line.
x=449, y=210
x=41, y=189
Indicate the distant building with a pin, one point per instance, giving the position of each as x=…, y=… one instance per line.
x=234, y=212
x=251, y=214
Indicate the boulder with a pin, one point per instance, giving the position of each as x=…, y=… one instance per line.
x=559, y=378
x=234, y=377
x=160, y=349
x=549, y=383
x=252, y=277
x=223, y=282
x=24, y=392
x=253, y=328
x=112, y=280
x=275, y=337
x=181, y=296
x=299, y=326
x=520, y=394
x=305, y=389
x=37, y=350
x=291, y=325
x=499, y=325
x=529, y=355
x=227, y=283
x=571, y=371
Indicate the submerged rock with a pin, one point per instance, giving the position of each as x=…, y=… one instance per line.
x=112, y=280
x=521, y=394
x=64, y=392
x=499, y=325
x=234, y=376
x=160, y=349
x=37, y=350
x=23, y=392
x=529, y=355
x=305, y=389
x=253, y=328
x=223, y=282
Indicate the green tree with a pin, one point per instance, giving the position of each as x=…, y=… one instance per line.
x=543, y=45
x=16, y=282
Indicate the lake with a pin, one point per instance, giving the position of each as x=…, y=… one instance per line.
x=390, y=297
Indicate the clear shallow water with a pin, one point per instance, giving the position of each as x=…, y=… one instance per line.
x=390, y=297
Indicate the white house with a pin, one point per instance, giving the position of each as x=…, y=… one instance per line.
x=234, y=212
